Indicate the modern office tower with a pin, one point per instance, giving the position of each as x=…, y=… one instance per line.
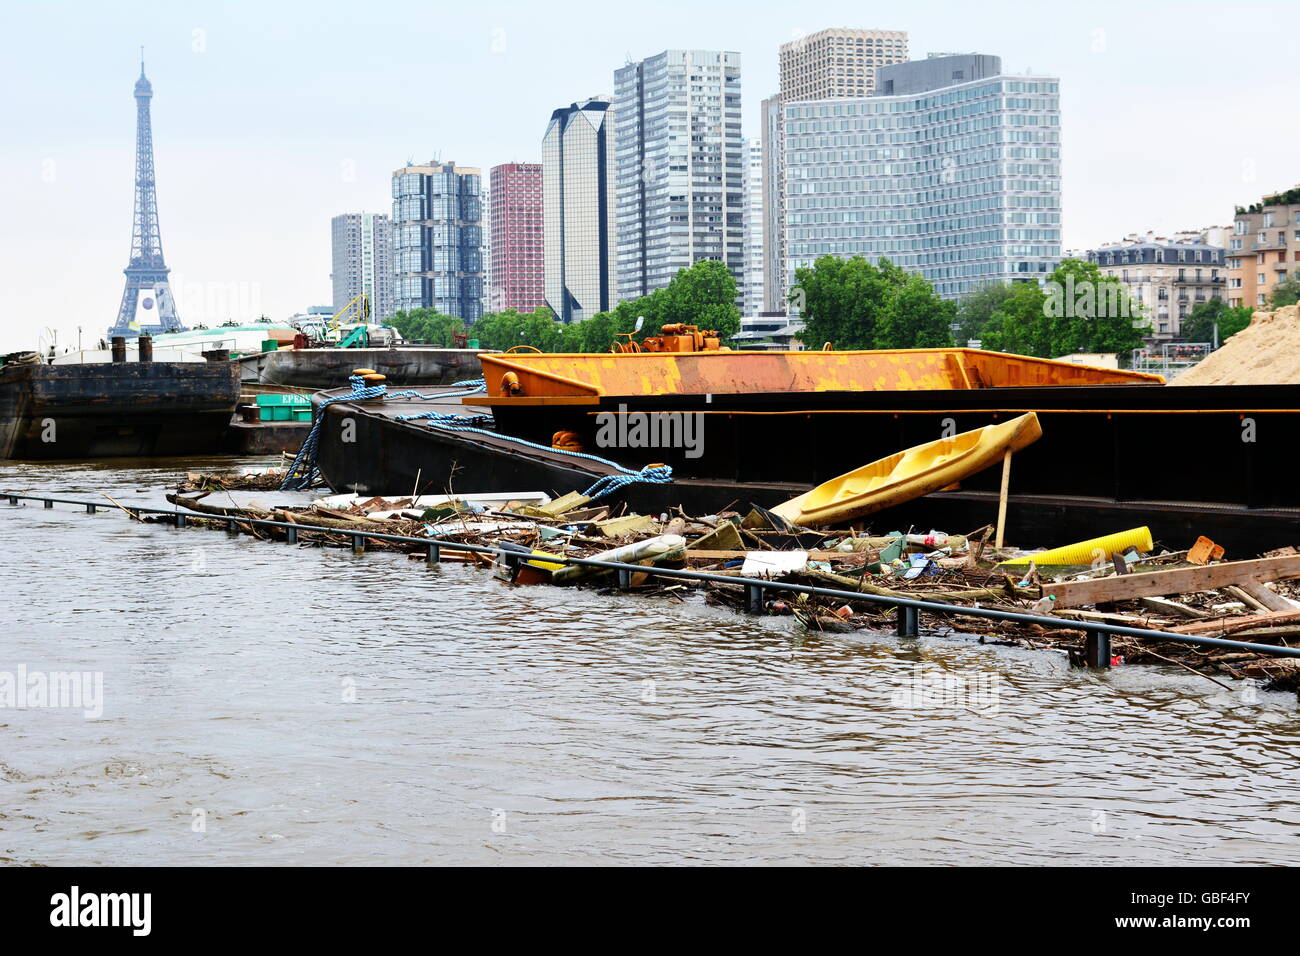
x=1167, y=276
x=579, y=206
x=515, y=202
x=829, y=64
x=956, y=175
x=752, y=291
x=680, y=167
x=773, y=230
x=1265, y=243
x=438, y=239
x=362, y=244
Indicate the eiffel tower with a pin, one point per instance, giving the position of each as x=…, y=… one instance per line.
x=147, y=305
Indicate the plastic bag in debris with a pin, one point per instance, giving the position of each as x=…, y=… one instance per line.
x=919, y=564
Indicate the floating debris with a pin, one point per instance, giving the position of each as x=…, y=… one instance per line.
x=1184, y=592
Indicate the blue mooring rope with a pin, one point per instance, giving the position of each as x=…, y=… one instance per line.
x=303, y=471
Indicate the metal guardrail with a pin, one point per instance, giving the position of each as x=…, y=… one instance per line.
x=1097, y=647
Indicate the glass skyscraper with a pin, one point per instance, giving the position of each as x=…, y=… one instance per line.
x=578, y=207
x=680, y=167
x=952, y=169
x=438, y=240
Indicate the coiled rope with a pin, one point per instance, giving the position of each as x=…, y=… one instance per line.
x=304, y=472
x=650, y=474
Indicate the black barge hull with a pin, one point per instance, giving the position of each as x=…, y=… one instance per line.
x=329, y=368
x=116, y=410
x=1186, y=461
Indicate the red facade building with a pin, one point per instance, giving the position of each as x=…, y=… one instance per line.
x=517, y=251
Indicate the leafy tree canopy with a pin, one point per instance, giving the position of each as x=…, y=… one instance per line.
x=1200, y=322
x=856, y=305
x=1285, y=293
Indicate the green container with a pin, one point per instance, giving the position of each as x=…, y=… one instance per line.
x=302, y=414
x=270, y=345
x=285, y=399
x=276, y=413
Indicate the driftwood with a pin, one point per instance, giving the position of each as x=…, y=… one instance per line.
x=1209, y=577
x=1231, y=625
x=279, y=514
x=965, y=594
x=217, y=510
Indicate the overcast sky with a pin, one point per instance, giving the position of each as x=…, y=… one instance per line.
x=271, y=117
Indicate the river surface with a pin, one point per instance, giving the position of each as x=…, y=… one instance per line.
x=266, y=704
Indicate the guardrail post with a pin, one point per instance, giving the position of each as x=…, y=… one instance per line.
x=909, y=621
x=434, y=555
x=49, y=503
x=90, y=509
x=181, y=520
x=624, y=579
x=290, y=535
x=753, y=599
x=1096, y=650
x=231, y=526
x=358, y=544
x=13, y=499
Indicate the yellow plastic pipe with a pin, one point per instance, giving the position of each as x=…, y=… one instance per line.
x=1084, y=552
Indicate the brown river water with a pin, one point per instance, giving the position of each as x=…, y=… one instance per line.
x=266, y=704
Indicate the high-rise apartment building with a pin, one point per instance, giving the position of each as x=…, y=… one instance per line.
x=837, y=62
x=579, y=206
x=752, y=290
x=362, y=246
x=955, y=175
x=680, y=167
x=828, y=64
x=516, y=237
x=438, y=239
x=1264, y=248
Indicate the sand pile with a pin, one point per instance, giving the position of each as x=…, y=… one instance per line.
x=1266, y=352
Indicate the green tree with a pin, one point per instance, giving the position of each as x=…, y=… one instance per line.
x=1018, y=324
x=913, y=317
x=976, y=309
x=1286, y=292
x=702, y=295
x=427, y=326
x=856, y=305
x=1086, y=311
x=1077, y=310
x=840, y=301
x=1200, y=322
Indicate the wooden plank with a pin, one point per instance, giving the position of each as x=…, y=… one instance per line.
x=1173, y=581
x=1270, y=599
x=1167, y=607
x=1002, y=499
x=1246, y=622
x=1237, y=594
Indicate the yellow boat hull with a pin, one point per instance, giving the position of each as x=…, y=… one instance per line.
x=910, y=474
